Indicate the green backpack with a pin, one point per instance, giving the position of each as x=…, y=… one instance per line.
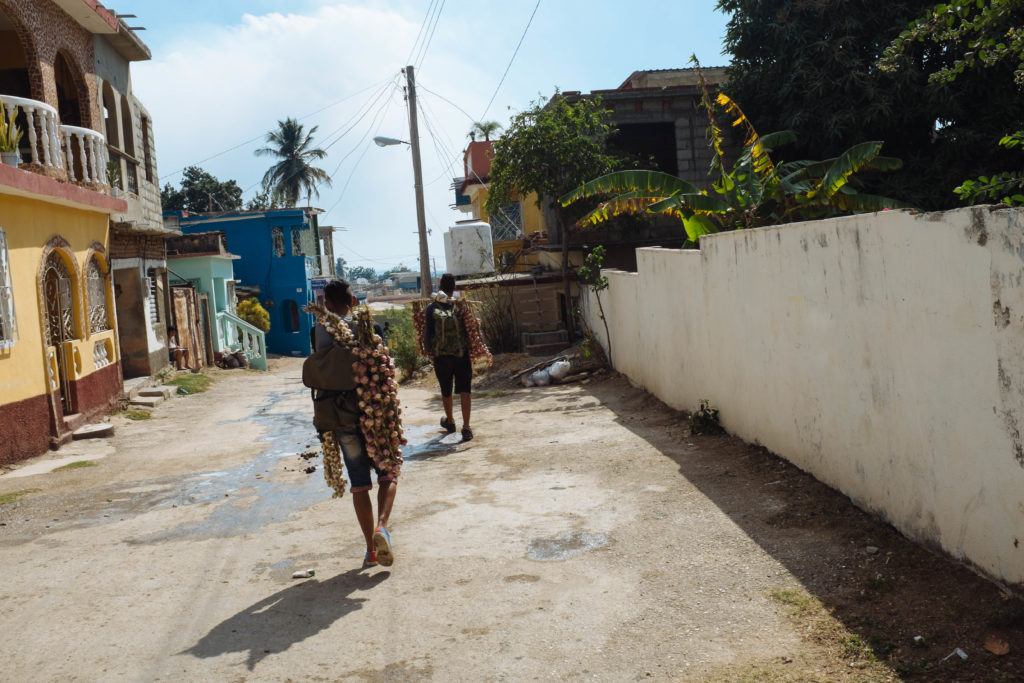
x=447, y=332
x=328, y=373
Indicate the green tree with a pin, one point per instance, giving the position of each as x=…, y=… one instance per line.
x=356, y=272
x=201, y=192
x=812, y=67
x=549, y=149
x=484, y=128
x=755, y=191
x=294, y=174
x=339, y=266
x=400, y=268
x=981, y=35
x=262, y=201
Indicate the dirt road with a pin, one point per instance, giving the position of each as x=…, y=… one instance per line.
x=583, y=534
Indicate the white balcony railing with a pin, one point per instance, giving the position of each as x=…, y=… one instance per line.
x=240, y=335
x=85, y=154
x=43, y=129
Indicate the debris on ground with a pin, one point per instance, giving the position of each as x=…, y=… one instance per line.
x=997, y=646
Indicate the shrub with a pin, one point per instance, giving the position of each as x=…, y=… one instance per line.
x=498, y=321
x=252, y=312
x=402, y=341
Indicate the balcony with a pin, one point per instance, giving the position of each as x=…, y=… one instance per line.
x=62, y=152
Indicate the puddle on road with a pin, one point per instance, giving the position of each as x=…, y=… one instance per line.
x=243, y=499
x=564, y=546
x=254, y=497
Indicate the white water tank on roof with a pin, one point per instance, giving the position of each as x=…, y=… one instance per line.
x=468, y=249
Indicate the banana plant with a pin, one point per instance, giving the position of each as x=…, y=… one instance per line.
x=754, y=191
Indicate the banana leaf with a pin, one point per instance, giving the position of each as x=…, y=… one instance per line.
x=848, y=163
x=650, y=183
x=866, y=203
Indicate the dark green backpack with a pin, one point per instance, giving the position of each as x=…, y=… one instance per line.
x=447, y=332
x=328, y=372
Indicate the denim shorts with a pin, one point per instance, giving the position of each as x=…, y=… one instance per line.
x=358, y=462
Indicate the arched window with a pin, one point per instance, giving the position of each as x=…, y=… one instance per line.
x=110, y=116
x=290, y=309
x=96, y=292
x=131, y=168
x=68, y=107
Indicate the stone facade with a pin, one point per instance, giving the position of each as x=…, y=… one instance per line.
x=46, y=32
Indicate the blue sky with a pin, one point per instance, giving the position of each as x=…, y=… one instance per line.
x=224, y=72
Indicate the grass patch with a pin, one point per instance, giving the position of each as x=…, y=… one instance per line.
x=191, y=383
x=76, y=465
x=493, y=394
x=799, y=602
x=15, y=496
x=133, y=414
x=822, y=628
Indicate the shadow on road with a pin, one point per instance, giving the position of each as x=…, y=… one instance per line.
x=277, y=622
x=882, y=587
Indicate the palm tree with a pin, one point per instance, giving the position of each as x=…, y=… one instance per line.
x=294, y=174
x=485, y=128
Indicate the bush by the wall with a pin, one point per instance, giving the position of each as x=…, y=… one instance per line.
x=252, y=312
x=402, y=341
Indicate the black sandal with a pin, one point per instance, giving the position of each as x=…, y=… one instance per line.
x=467, y=433
x=448, y=424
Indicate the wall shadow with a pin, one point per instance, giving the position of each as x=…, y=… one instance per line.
x=883, y=587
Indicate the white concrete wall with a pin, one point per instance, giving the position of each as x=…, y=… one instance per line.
x=882, y=353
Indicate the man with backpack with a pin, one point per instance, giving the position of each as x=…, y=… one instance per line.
x=344, y=423
x=448, y=344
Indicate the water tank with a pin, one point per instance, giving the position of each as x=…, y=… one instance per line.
x=468, y=249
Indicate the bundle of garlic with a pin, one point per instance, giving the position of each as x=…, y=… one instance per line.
x=334, y=473
x=381, y=421
x=374, y=373
x=478, y=351
x=419, y=321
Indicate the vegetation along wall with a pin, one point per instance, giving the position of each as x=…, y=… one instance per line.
x=883, y=353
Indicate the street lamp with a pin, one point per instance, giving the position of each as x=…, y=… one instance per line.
x=426, y=285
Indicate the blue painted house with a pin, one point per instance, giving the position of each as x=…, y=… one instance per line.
x=282, y=257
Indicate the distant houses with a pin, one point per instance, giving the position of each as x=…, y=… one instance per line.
x=284, y=259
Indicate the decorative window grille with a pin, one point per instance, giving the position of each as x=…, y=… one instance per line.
x=96, y=288
x=303, y=243
x=507, y=223
x=8, y=319
x=277, y=235
x=154, y=316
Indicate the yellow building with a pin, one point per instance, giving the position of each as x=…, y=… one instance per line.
x=58, y=349
x=519, y=225
x=60, y=359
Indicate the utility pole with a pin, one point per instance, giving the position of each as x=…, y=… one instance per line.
x=426, y=285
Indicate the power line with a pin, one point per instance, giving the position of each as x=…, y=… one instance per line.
x=360, y=116
x=262, y=135
x=419, y=34
x=419, y=85
x=430, y=36
x=487, y=108
x=378, y=120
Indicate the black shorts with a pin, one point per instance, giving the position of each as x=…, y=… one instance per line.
x=458, y=368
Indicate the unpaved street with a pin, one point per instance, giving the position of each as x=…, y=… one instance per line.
x=583, y=534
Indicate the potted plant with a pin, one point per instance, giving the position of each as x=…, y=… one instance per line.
x=114, y=176
x=10, y=136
